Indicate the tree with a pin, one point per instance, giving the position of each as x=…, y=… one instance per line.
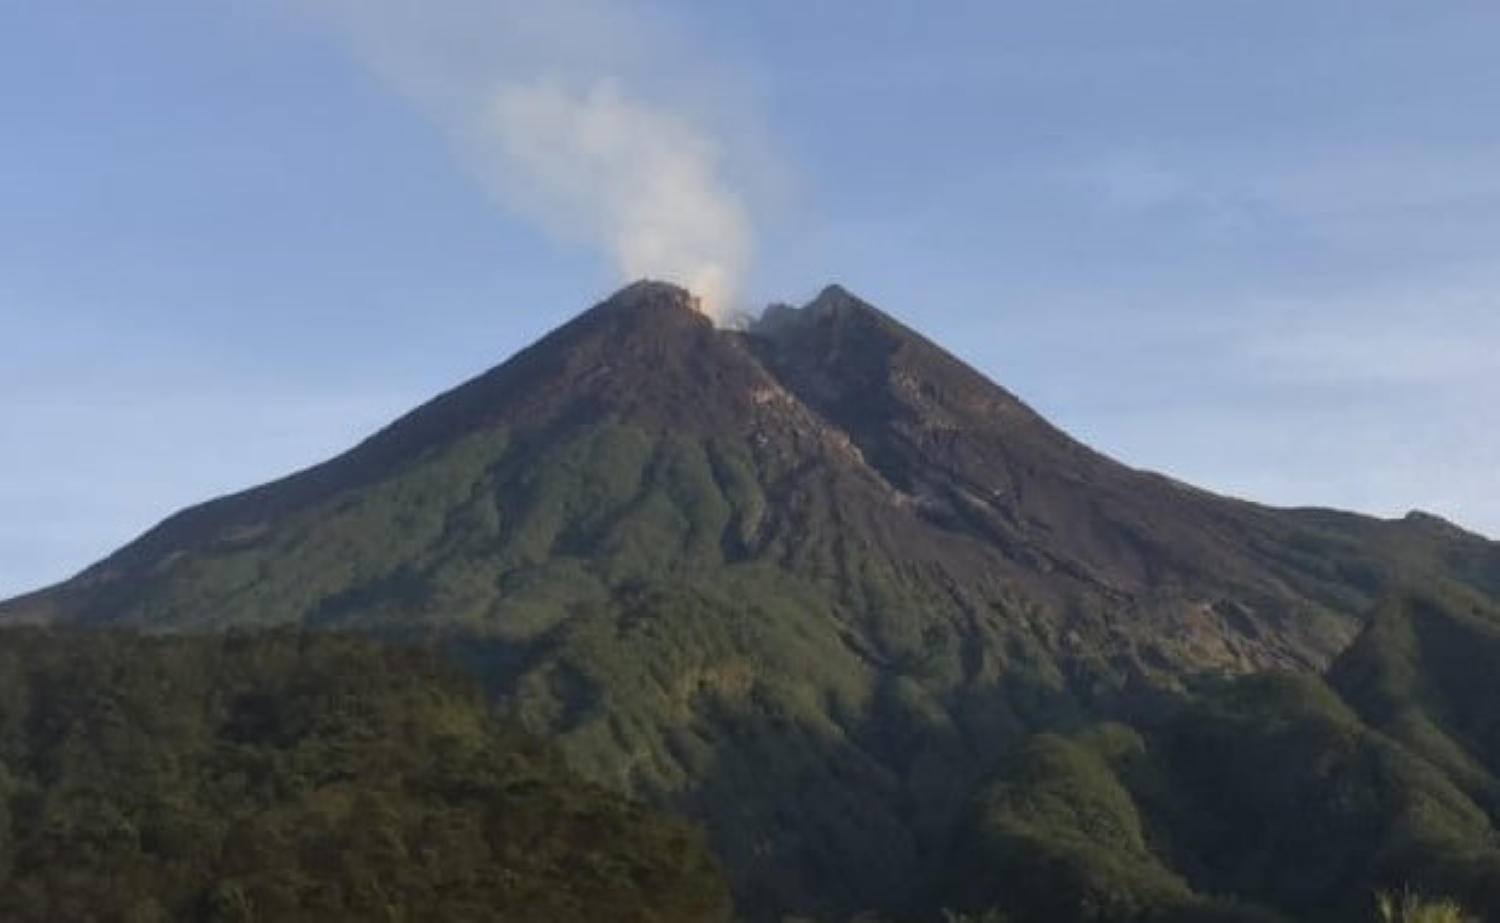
x=1410, y=907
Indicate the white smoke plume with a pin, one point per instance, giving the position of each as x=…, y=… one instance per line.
x=567, y=114
x=597, y=165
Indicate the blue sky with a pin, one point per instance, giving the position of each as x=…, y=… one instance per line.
x=1254, y=245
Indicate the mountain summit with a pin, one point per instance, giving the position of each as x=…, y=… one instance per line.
x=804, y=581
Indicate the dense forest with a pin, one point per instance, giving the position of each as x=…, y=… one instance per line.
x=300, y=776
x=1268, y=797
x=289, y=777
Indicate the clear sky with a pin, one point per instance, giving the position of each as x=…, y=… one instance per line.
x=1253, y=244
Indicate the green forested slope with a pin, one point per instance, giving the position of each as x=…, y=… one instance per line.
x=287, y=777
x=1271, y=793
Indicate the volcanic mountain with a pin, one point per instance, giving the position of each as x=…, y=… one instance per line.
x=806, y=582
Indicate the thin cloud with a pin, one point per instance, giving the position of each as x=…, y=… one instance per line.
x=1432, y=337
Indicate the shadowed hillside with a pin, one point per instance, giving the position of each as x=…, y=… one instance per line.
x=1272, y=796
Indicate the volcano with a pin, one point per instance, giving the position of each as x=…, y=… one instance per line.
x=806, y=582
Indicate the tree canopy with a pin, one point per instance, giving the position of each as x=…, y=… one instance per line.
x=293, y=777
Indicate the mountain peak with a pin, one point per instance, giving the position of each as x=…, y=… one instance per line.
x=646, y=304
x=833, y=306
x=834, y=298
x=650, y=293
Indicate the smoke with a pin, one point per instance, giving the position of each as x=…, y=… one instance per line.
x=599, y=125
x=639, y=181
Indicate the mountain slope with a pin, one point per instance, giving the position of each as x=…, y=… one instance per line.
x=1273, y=796
x=807, y=582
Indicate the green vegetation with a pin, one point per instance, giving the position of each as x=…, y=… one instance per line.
x=287, y=778
x=689, y=630
x=1407, y=907
x=1272, y=792
x=630, y=598
x=1061, y=837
